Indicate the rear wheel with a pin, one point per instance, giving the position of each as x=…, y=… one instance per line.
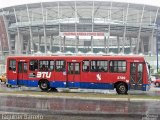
x=44, y=85
x=8, y=85
x=121, y=88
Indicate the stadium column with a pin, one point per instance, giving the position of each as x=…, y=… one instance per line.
x=91, y=43
x=105, y=43
x=92, y=26
x=106, y=40
x=152, y=40
x=118, y=44
x=130, y=44
x=142, y=45
x=44, y=28
x=39, y=41
x=6, y=28
x=18, y=43
x=64, y=38
x=124, y=33
x=152, y=45
x=18, y=38
x=139, y=32
x=30, y=30
x=77, y=41
x=51, y=41
x=60, y=45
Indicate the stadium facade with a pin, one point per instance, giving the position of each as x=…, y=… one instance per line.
x=74, y=26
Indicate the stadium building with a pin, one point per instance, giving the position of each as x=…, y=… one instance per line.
x=96, y=26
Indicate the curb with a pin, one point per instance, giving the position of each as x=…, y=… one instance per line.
x=80, y=97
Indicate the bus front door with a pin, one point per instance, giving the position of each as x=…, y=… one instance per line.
x=136, y=76
x=73, y=75
x=22, y=73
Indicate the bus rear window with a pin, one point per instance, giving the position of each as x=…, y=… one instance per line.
x=12, y=65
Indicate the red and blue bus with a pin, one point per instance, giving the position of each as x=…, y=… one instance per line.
x=122, y=73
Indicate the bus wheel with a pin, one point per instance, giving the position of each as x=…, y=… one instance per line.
x=121, y=88
x=44, y=85
x=8, y=85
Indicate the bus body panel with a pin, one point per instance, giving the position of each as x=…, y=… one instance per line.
x=81, y=79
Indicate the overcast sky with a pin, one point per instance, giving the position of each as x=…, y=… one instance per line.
x=7, y=3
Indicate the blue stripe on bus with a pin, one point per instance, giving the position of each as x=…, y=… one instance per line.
x=63, y=84
x=145, y=87
x=29, y=83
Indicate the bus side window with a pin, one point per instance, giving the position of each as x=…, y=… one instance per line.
x=44, y=65
x=12, y=65
x=85, y=66
x=99, y=65
x=118, y=66
x=60, y=66
x=33, y=65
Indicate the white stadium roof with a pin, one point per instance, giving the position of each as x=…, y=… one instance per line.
x=9, y=3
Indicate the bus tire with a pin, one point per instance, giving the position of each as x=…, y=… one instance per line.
x=44, y=85
x=8, y=85
x=121, y=88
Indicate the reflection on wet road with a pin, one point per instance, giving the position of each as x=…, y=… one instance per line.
x=52, y=107
x=79, y=109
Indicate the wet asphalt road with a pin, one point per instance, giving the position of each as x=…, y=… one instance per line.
x=75, y=109
x=33, y=108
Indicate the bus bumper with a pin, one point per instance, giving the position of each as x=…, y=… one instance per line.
x=146, y=87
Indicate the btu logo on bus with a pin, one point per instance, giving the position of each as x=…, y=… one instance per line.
x=43, y=74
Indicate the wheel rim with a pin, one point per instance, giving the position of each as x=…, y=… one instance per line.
x=122, y=89
x=44, y=85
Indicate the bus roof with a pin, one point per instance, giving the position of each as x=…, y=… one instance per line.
x=79, y=57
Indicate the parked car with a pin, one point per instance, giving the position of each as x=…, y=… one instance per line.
x=157, y=82
x=3, y=77
x=153, y=79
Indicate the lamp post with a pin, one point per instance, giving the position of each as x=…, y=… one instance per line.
x=157, y=40
x=157, y=51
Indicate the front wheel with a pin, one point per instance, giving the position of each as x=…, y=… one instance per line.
x=121, y=88
x=44, y=85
